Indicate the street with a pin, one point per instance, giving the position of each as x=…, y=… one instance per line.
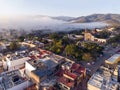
x=92, y=67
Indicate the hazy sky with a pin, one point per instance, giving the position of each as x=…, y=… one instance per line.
x=58, y=7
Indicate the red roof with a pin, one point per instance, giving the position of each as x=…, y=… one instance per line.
x=64, y=81
x=72, y=75
x=75, y=66
x=32, y=57
x=60, y=73
x=44, y=51
x=80, y=70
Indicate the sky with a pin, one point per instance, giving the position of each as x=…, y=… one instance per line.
x=72, y=8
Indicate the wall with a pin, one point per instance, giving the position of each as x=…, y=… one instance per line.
x=21, y=86
x=28, y=68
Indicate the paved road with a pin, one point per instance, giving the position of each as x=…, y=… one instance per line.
x=100, y=61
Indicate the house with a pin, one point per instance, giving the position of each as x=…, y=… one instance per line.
x=12, y=80
x=70, y=76
x=103, y=79
x=113, y=60
x=15, y=60
x=40, y=69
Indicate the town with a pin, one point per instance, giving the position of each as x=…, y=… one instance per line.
x=75, y=60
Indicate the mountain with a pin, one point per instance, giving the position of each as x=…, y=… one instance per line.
x=113, y=19
x=43, y=22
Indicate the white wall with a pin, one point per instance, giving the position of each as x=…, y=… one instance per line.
x=21, y=86
x=29, y=68
x=16, y=64
x=91, y=87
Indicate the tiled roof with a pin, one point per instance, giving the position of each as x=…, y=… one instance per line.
x=64, y=81
x=71, y=75
x=60, y=73
x=75, y=66
x=80, y=70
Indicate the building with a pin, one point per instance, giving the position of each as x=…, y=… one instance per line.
x=119, y=73
x=75, y=37
x=12, y=80
x=16, y=60
x=40, y=69
x=103, y=80
x=70, y=76
x=30, y=44
x=2, y=46
x=33, y=44
x=48, y=70
x=88, y=36
x=113, y=60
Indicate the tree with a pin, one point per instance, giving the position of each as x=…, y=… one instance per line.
x=87, y=57
x=57, y=47
x=14, y=45
x=21, y=38
x=65, y=41
x=44, y=41
x=71, y=49
x=93, y=48
x=114, y=39
x=54, y=36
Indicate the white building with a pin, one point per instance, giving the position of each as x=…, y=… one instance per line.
x=102, y=80
x=12, y=80
x=15, y=61
x=74, y=37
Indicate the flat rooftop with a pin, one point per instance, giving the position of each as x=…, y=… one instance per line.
x=49, y=82
x=45, y=62
x=96, y=80
x=113, y=58
x=103, y=80
x=11, y=79
x=48, y=61
x=17, y=55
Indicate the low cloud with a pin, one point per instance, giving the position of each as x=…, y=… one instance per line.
x=44, y=22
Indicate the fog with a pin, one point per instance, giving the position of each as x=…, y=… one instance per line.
x=44, y=22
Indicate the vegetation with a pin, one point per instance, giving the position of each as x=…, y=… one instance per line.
x=54, y=36
x=62, y=45
x=87, y=57
x=71, y=49
x=93, y=48
x=14, y=45
x=57, y=47
x=115, y=39
x=65, y=46
x=21, y=38
x=103, y=34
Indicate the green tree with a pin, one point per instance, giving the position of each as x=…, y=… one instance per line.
x=70, y=49
x=93, y=48
x=57, y=47
x=14, y=45
x=114, y=39
x=103, y=34
x=54, y=36
x=21, y=39
x=87, y=57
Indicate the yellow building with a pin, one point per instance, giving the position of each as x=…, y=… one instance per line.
x=113, y=59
